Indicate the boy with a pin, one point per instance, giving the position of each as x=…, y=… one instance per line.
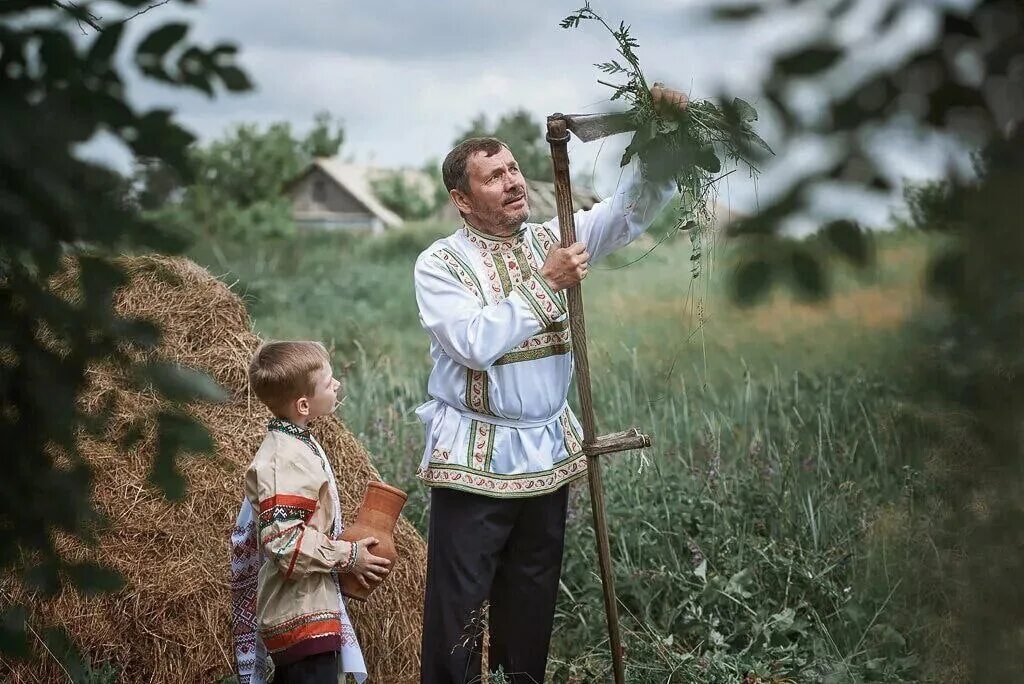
x=302, y=618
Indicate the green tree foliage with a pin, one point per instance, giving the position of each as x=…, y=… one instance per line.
x=523, y=135
x=326, y=137
x=238, y=179
x=963, y=84
x=56, y=211
x=925, y=202
x=414, y=197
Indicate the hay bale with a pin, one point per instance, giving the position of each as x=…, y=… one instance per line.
x=172, y=622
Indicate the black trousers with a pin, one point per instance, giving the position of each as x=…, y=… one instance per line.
x=508, y=551
x=315, y=669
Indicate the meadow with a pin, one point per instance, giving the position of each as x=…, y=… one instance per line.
x=766, y=535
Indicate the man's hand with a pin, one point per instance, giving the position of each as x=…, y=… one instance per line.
x=565, y=267
x=668, y=100
x=369, y=569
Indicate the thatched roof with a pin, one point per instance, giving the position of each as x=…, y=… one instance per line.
x=356, y=179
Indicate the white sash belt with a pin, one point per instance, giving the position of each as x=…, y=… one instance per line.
x=431, y=409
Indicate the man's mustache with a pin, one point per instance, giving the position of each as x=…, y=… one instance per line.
x=513, y=198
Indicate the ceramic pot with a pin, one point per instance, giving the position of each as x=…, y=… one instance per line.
x=376, y=517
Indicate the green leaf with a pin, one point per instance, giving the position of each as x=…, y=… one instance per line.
x=756, y=139
x=954, y=24
x=234, y=79
x=64, y=650
x=783, y=620
x=13, y=635
x=57, y=53
x=849, y=240
x=99, y=279
x=166, y=476
x=744, y=110
x=181, y=384
x=177, y=434
x=92, y=578
x=737, y=12
x=708, y=160
x=159, y=42
x=808, y=275
x=141, y=333
x=752, y=281
x=737, y=585
x=105, y=45
x=809, y=60
x=641, y=141
x=195, y=70
x=43, y=577
x=701, y=570
x=132, y=436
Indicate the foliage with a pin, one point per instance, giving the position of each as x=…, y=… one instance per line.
x=202, y=214
x=413, y=197
x=238, y=179
x=924, y=203
x=686, y=146
x=326, y=137
x=525, y=138
x=59, y=214
x=960, y=85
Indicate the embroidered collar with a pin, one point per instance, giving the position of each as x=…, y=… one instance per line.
x=492, y=243
x=289, y=428
x=300, y=433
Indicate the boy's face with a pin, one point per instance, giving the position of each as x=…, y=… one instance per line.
x=325, y=395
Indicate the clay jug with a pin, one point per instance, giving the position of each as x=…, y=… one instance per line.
x=376, y=517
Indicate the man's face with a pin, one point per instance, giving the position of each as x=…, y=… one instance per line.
x=497, y=193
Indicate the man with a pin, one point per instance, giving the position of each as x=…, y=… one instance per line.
x=501, y=442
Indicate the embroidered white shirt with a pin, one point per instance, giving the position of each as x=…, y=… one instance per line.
x=498, y=422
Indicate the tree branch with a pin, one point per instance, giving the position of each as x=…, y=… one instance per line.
x=81, y=14
x=143, y=11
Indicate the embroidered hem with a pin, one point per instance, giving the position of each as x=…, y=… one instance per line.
x=455, y=476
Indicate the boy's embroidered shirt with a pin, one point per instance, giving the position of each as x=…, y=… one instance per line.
x=252, y=665
x=291, y=487
x=498, y=423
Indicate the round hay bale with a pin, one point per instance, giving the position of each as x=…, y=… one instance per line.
x=172, y=621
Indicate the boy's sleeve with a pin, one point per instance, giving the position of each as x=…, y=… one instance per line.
x=285, y=491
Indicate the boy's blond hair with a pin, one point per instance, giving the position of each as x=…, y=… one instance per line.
x=281, y=372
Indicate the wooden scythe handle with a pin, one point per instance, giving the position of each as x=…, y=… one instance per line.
x=558, y=137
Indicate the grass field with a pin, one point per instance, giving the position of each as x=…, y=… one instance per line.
x=765, y=532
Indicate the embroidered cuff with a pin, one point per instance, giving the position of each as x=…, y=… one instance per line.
x=546, y=305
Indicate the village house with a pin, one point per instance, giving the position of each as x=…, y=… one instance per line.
x=333, y=195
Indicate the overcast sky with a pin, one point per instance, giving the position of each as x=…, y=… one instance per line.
x=406, y=76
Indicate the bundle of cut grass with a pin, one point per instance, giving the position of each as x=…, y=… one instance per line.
x=171, y=623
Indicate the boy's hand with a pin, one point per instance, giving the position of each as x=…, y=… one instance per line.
x=369, y=568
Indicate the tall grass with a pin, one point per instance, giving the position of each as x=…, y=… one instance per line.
x=766, y=532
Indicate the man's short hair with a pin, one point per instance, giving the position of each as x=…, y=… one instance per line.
x=281, y=372
x=453, y=170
